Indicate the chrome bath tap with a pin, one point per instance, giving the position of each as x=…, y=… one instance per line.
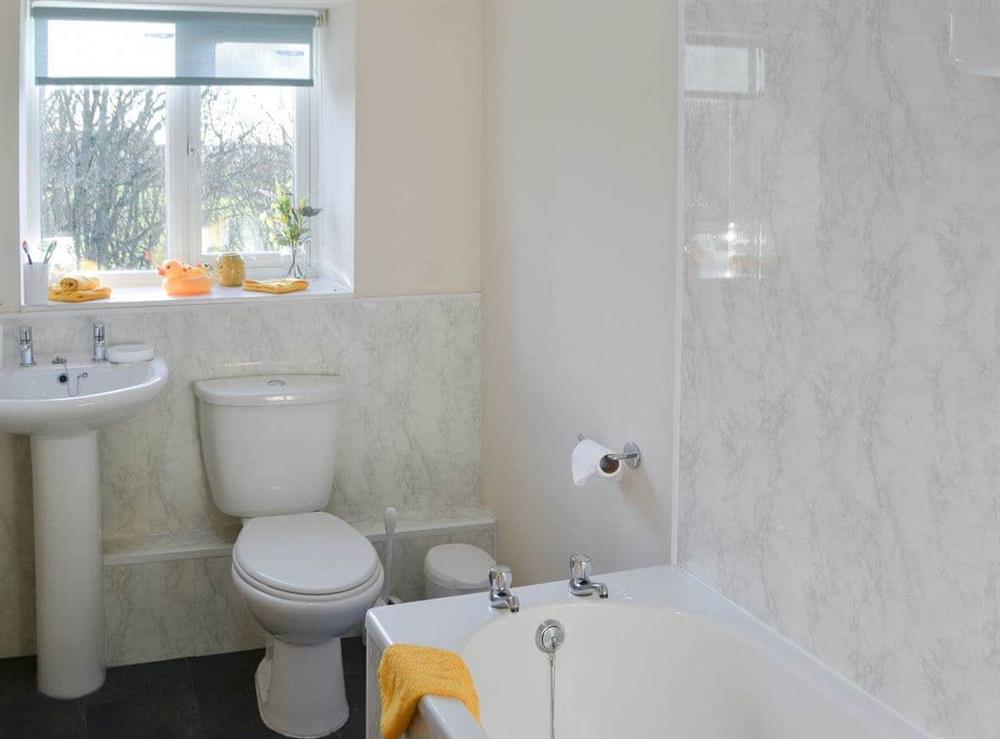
x=500, y=594
x=100, y=348
x=27, y=347
x=579, y=577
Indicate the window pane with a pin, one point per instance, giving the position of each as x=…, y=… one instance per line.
x=248, y=149
x=102, y=176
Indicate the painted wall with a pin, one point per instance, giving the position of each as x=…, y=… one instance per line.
x=839, y=453
x=10, y=284
x=405, y=125
x=579, y=253
x=409, y=438
x=419, y=144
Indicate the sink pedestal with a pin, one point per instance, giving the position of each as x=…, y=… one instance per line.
x=68, y=585
x=63, y=427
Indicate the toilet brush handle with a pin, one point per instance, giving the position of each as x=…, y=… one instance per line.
x=390, y=519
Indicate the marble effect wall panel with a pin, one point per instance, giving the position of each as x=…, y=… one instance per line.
x=162, y=610
x=409, y=438
x=840, y=464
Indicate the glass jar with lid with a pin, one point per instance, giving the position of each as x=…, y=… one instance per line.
x=230, y=269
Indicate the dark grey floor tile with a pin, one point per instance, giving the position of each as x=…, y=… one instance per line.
x=62, y=720
x=120, y=683
x=248, y=730
x=224, y=680
x=227, y=701
x=211, y=697
x=155, y=699
x=169, y=716
x=18, y=691
x=355, y=726
x=170, y=676
x=353, y=654
x=142, y=681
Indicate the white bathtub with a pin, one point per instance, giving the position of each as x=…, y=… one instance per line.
x=663, y=656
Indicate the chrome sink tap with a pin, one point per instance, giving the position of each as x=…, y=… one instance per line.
x=500, y=595
x=579, y=577
x=27, y=347
x=100, y=348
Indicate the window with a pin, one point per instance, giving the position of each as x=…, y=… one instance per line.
x=247, y=145
x=164, y=134
x=102, y=176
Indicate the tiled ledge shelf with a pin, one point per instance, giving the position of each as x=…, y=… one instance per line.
x=219, y=542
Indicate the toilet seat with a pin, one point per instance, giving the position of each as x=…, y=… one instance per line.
x=305, y=556
x=285, y=596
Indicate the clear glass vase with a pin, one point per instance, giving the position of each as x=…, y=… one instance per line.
x=295, y=261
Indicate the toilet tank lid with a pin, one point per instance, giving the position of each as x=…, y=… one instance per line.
x=266, y=390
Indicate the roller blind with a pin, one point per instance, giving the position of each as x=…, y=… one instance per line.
x=80, y=45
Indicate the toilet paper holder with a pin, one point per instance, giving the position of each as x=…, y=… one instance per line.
x=630, y=455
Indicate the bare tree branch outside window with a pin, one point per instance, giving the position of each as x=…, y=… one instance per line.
x=248, y=148
x=103, y=172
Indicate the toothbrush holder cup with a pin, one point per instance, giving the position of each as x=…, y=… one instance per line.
x=35, y=279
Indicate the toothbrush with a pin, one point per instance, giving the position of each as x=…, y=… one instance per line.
x=24, y=248
x=48, y=252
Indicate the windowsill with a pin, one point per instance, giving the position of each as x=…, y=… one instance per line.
x=142, y=296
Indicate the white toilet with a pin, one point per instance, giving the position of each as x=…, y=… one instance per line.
x=269, y=445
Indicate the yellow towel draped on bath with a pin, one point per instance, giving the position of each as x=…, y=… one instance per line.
x=78, y=283
x=286, y=285
x=408, y=672
x=78, y=289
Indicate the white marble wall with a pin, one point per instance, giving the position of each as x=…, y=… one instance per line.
x=409, y=438
x=179, y=608
x=841, y=348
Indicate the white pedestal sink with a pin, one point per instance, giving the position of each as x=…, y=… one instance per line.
x=62, y=408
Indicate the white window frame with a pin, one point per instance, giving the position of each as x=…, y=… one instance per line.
x=183, y=181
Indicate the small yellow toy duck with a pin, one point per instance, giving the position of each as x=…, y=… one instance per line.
x=183, y=279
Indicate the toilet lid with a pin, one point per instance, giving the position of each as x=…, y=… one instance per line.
x=459, y=566
x=305, y=553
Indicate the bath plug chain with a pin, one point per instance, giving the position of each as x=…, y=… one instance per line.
x=549, y=636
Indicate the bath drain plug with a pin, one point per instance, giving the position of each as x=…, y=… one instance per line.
x=549, y=636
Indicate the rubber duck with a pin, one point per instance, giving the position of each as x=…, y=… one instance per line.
x=184, y=279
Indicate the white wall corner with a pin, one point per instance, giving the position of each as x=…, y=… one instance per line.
x=11, y=171
x=335, y=146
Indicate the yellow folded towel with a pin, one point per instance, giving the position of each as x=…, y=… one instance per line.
x=78, y=283
x=78, y=296
x=408, y=672
x=286, y=285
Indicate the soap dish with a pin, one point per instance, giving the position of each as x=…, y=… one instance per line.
x=127, y=353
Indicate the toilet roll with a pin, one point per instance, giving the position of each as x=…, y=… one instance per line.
x=589, y=460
